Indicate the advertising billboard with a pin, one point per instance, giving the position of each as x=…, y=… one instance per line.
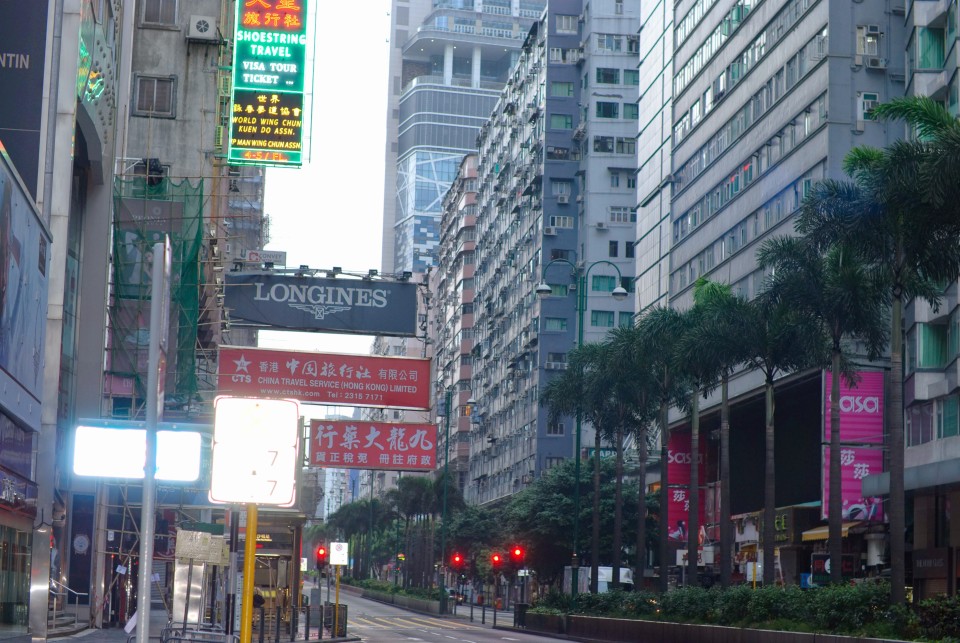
x=373, y=445
x=24, y=261
x=861, y=425
x=23, y=42
x=266, y=126
x=325, y=378
x=321, y=304
x=679, y=458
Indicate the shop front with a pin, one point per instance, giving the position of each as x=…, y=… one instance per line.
x=792, y=553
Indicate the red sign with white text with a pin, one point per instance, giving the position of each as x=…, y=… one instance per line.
x=325, y=378
x=678, y=476
x=373, y=445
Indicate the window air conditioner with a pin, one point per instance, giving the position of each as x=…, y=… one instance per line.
x=563, y=199
x=202, y=28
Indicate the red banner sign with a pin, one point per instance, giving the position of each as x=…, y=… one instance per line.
x=679, y=459
x=348, y=444
x=325, y=378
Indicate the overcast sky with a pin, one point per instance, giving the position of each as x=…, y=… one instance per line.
x=329, y=212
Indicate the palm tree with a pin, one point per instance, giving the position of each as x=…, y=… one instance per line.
x=835, y=289
x=657, y=333
x=638, y=390
x=714, y=341
x=896, y=215
x=781, y=340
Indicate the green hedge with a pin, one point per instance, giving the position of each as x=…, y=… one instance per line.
x=862, y=609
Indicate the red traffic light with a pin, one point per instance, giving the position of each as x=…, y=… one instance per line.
x=495, y=560
x=321, y=556
x=457, y=561
x=516, y=555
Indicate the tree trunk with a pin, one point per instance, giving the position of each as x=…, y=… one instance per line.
x=896, y=506
x=664, y=499
x=835, y=516
x=693, y=495
x=595, y=544
x=641, y=546
x=769, y=492
x=617, y=511
x=726, y=527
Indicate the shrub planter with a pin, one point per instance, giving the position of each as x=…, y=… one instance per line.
x=420, y=605
x=630, y=630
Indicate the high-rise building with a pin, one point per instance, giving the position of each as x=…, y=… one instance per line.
x=448, y=61
x=554, y=205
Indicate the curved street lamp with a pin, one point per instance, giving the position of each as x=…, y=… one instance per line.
x=543, y=289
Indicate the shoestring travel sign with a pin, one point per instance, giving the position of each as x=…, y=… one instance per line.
x=391, y=446
x=325, y=378
x=269, y=55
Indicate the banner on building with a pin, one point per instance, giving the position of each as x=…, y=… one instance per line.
x=320, y=304
x=373, y=445
x=23, y=32
x=861, y=425
x=325, y=378
x=679, y=458
x=266, y=124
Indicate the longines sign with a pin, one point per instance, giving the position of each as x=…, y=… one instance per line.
x=320, y=304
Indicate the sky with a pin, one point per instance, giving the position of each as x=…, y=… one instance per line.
x=329, y=212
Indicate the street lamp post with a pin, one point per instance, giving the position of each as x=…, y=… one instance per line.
x=443, y=514
x=619, y=293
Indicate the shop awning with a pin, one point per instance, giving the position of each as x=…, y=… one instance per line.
x=823, y=532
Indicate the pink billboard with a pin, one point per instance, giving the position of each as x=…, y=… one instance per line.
x=373, y=445
x=861, y=425
x=678, y=474
x=856, y=463
x=861, y=409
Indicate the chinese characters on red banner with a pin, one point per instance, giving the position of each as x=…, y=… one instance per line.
x=373, y=445
x=325, y=378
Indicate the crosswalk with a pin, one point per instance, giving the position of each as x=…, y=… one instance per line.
x=400, y=622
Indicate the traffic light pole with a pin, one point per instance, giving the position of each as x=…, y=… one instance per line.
x=443, y=514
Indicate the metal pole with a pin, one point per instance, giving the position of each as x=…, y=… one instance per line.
x=575, y=560
x=249, y=569
x=443, y=512
x=336, y=606
x=156, y=373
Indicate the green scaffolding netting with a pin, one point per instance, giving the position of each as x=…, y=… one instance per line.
x=144, y=211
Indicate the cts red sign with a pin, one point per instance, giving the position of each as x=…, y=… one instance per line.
x=325, y=378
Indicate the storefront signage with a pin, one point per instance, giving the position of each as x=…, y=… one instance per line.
x=373, y=445
x=266, y=126
x=820, y=568
x=930, y=563
x=861, y=425
x=322, y=304
x=678, y=473
x=325, y=378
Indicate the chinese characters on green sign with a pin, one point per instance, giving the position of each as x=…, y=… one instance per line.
x=266, y=123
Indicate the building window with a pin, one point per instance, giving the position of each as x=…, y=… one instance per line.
x=160, y=12
x=555, y=428
x=618, y=7
x=631, y=76
x=631, y=111
x=614, y=179
x=931, y=47
x=558, y=188
x=609, y=42
x=558, y=153
x=947, y=417
x=607, y=109
x=556, y=55
x=633, y=44
x=559, y=290
x=868, y=40
x=155, y=96
x=603, y=144
x=561, y=121
x=603, y=283
x=561, y=89
x=554, y=323
x=566, y=24
x=601, y=318
x=631, y=182
x=629, y=250
x=608, y=76
x=614, y=249
x=625, y=320
x=626, y=145
x=865, y=104
x=552, y=461
x=561, y=222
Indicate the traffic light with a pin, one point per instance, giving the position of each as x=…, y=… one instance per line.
x=495, y=561
x=516, y=556
x=321, y=556
x=457, y=562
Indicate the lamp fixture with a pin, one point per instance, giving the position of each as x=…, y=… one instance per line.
x=43, y=526
x=543, y=289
